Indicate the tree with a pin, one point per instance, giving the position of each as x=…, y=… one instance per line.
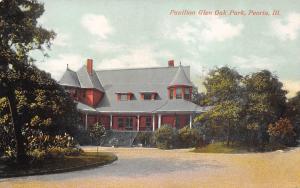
x=97, y=132
x=224, y=92
x=46, y=110
x=265, y=102
x=19, y=34
x=293, y=112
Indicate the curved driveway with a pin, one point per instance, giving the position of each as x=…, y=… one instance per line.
x=142, y=167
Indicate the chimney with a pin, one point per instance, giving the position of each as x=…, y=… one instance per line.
x=89, y=66
x=171, y=63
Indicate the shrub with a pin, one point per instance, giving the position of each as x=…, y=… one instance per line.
x=189, y=137
x=166, y=137
x=282, y=132
x=145, y=138
x=72, y=151
x=55, y=152
x=38, y=154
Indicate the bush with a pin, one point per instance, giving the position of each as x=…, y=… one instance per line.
x=72, y=151
x=55, y=152
x=145, y=138
x=189, y=137
x=38, y=154
x=166, y=137
x=282, y=133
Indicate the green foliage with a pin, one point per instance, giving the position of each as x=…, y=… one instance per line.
x=243, y=107
x=224, y=92
x=145, y=138
x=222, y=84
x=266, y=103
x=189, y=137
x=46, y=110
x=97, y=133
x=166, y=137
x=293, y=112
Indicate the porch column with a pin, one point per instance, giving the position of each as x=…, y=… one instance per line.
x=191, y=121
x=159, y=120
x=111, y=122
x=86, y=121
x=153, y=122
x=138, y=122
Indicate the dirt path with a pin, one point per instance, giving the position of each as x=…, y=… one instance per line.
x=139, y=167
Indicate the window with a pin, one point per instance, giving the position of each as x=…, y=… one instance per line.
x=129, y=123
x=147, y=96
x=123, y=97
x=179, y=93
x=171, y=93
x=83, y=94
x=148, y=123
x=187, y=94
x=120, y=122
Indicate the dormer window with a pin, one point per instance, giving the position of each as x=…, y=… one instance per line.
x=178, y=93
x=148, y=95
x=187, y=93
x=171, y=90
x=124, y=96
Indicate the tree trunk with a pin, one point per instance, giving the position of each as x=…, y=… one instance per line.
x=17, y=123
x=228, y=133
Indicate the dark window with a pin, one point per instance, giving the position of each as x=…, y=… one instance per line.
x=120, y=122
x=129, y=123
x=148, y=123
x=83, y=94
x=171, y=93
x=187, y=94
x=147, y=96
x=179, y=93
x=123, y=97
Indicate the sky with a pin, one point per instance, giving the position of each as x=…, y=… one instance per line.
x=134, y=33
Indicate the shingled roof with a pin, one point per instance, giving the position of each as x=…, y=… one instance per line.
x=181, y=78
x=81, y=79
x=69, y=78
x=135, y=81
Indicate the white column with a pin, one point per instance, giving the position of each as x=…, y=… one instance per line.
x=111, y=122
x=138, y=122
x=191, y=121
x=86, y=121
x=159, y=120
x=153, y=122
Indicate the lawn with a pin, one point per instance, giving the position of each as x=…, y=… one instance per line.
x=58, y=165
x=219, y=147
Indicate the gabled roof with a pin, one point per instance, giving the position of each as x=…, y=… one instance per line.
x=81, y=79
x=180, y=78
x=88, y=81
x=69, y=78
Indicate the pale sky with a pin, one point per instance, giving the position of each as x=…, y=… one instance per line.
x=134, y=33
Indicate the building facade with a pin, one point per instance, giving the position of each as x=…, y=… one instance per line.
x=141, y=99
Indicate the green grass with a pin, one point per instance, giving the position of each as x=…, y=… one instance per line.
x=66, y=164
x=219, y=147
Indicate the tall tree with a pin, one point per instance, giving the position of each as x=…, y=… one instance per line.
x=19, y=34
x=224, y=91
x=266, y=101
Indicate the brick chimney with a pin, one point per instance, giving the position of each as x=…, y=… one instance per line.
x=89, y=66
x=171, y=63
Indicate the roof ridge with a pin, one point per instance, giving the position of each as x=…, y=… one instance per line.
x=137, y=68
